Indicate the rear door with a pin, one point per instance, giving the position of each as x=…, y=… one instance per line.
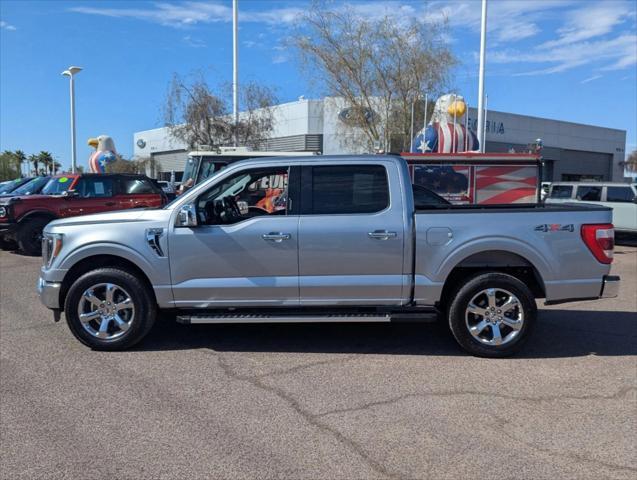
x=350, y=235
x=137, y=192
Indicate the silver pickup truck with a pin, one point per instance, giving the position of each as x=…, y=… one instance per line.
x=323, y=239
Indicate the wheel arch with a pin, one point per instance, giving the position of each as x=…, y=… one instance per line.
x=95, y=262
x=47, y=214
x=501, y=261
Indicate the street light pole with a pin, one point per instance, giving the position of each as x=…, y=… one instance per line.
x=235, y=68
x=70, y=73
x=483, y=46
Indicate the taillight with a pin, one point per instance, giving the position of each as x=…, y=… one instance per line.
x=600, y=240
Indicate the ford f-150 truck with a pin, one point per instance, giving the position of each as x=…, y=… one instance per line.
x=323, y=239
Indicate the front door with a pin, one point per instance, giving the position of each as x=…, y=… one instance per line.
x=351, y=236
x=95, y=194
x=244, y=252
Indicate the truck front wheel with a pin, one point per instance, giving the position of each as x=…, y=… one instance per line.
x=492, y=315
x=110, y=309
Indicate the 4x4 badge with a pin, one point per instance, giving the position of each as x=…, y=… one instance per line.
x=555, y=227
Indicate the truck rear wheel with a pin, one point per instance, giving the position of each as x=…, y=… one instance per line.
x=110, y=309
x=492, y=315
x=29, y=235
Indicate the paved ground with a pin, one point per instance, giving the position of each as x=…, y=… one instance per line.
x=318, y=401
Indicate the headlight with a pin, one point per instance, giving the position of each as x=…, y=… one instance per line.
x=51, y=246
x=3, y=211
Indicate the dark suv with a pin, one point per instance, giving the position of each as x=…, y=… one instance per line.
x=22, y=218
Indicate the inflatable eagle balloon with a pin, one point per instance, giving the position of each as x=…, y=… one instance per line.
x=104, y=153
x=446, y=132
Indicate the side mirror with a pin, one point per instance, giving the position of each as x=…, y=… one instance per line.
x=187, y=216
x=71, y=194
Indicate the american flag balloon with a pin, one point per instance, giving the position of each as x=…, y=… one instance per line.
x=99, y=159
x=443, y=137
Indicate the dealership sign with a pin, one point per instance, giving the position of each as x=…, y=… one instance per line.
x=491, y=126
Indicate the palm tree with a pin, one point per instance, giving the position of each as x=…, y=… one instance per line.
x=47, y=159
x=35, y=161
x=20, y=158
x=55, y=165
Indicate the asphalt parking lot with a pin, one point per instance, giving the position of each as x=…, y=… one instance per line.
x=318, y=401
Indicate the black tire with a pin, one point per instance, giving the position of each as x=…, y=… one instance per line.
x=8, y=245
x=460, y=302
x=29, y=235
x=145, y=308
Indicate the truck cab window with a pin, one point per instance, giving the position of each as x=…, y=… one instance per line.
x=247, y=194
x=620, y=194
x=349, y=189
x=561, y=191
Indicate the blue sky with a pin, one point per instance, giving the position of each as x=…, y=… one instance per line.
x=565, y=59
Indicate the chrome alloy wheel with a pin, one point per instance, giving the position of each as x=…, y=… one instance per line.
x=494, y=316
x=106, y=311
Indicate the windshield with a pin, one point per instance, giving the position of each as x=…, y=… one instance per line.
x=190, y=171
x=200, y=168
x=9, y=186
x=34, y=186
x=57, y=185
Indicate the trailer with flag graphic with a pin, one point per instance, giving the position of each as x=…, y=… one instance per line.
x=478, y=178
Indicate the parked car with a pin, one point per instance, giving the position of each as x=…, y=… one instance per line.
x=10, y=185
x=621, y=197
x=22, y=218
x=324, y=239
x=32, y=187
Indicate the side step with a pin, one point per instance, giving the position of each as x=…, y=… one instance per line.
x=305, y=318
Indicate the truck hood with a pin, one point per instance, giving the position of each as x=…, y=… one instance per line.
x=122, y=216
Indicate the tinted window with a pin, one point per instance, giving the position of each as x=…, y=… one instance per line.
x=136, y=186
x=57, y=185
x=95, y=187
x=349, y=189
x=424, y=197
x=619, y=194
x=589, y=193
x=561, y=191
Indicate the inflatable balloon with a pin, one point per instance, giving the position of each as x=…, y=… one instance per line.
x=104, y=153
x=446, y=131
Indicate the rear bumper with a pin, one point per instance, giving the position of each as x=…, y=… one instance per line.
x=610, y=286
x=49, y=293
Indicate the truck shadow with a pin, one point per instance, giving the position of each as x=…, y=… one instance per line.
x=558, y=333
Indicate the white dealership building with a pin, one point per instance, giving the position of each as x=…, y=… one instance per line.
x=572, y=151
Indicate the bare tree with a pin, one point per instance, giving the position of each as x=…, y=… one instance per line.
x=379, y=66
x=196, y=115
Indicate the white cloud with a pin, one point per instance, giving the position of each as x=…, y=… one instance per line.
x=590, y=79
x=194, y=42
x=191, y=13
x=7, y=26
x=605, y=54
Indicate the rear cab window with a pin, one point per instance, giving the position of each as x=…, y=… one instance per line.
x=620, y=194
x=561, y=191
x=347, y=189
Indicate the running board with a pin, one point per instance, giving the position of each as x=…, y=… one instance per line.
x=308, y=318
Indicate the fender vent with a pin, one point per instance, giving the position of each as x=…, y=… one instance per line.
x=152, y=237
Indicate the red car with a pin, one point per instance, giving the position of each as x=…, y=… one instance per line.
x=23, y=218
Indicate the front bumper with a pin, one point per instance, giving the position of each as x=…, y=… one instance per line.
x=49, y=293
x=610, y=286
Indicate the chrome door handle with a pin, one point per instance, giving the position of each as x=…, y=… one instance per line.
x=382, y=235
x=276, y=237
